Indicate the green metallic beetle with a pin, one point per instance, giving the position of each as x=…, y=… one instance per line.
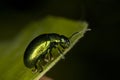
x=41, y=46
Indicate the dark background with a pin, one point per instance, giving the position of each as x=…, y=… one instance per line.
x=95, y=57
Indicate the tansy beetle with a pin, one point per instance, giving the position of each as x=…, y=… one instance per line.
x=41, y=46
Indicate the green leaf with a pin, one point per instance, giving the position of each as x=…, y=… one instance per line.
x=11, y=59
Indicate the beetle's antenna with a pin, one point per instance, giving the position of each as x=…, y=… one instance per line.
x=73, y=35
x=77, y=33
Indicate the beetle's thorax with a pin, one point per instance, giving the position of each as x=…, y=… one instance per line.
x=55, y=38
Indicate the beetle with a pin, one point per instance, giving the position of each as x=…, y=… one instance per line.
x=41, y=46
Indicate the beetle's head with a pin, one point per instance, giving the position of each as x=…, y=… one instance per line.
x=65, y=41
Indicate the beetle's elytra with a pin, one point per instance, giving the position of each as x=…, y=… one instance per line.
x=42, y=45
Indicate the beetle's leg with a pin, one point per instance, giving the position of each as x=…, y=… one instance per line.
x=52, y=45
x=34, y=70
x=62, y=46
x=49, y=55
x=50, y=52
x=38, y=66
x=59, y=51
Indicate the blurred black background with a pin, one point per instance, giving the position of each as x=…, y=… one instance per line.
x=96, y=55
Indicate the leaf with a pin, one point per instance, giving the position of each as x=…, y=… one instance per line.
x=11, y=59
